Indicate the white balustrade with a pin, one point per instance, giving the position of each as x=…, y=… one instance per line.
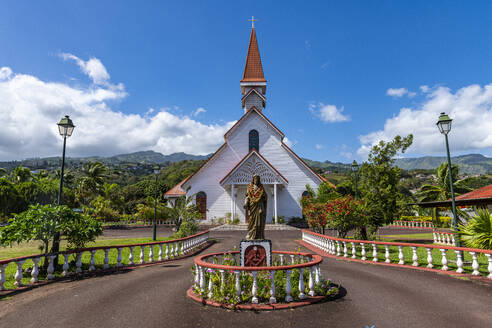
x=363, y=251
x=459, y=261
x=35, y=270
x=151, y=253
x=400, y=255
x=301, y=284
x=429, y=257
x=142, y=254
x=288, y=287
x=254, y=289
x=78, y=262
x=65, y=272
x=2, y=276
x=415, y=257
x=272, y=288
x=374, y=253
x=387, y=254
x=475, y=265
x=106, y=258
x=18, y=273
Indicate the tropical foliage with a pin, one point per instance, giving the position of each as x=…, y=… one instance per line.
x=477, y=233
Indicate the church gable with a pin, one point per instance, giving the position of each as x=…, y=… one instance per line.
x=252, y=164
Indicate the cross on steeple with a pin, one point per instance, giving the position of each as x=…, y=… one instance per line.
x=252, y=20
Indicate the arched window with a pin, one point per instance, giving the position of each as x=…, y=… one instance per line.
x=201, y=204
x=254, y=140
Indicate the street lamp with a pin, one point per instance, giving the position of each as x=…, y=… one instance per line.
x=65, y=127
x=355, y=168
x=444, y=125
x=154, y=225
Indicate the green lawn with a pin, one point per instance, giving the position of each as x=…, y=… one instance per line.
x=26, y=249
x=418, y=236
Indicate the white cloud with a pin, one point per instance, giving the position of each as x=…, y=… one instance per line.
x=5, y=73
x=470, y=108
x=424, y=88
x=198, y=111
x=319, y=147
x=328, y=113
x=398, y=93
x=93, y=68
x=30, y=108
x=289, y=143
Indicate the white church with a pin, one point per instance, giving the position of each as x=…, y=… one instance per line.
x=254, y=145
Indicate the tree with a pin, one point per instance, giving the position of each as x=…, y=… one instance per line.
x=182, y=210
x=379, y=179
x=478, y=232
x=21, y=174
x=93, y=177
x=10, y=200
x=42, y=222
x=442, y=191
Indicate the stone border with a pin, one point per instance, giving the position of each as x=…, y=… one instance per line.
x=256, y=307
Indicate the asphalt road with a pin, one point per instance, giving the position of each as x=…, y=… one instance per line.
x=155, y=297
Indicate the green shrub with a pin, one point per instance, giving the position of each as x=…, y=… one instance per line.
x=478, y=232
x=187, y=228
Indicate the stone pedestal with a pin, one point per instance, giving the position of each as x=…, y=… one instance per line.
x=256, y=252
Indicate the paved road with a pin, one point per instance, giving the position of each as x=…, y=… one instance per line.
x=155, y=297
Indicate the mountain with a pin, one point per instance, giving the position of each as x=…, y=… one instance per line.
x=471, y=164
x=153, y=157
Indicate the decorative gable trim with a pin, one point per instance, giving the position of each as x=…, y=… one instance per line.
x=242, y=119
x=253, y=163
x=250, y=92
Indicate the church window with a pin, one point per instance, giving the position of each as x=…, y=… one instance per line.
x=254, y=140
x=201, y=204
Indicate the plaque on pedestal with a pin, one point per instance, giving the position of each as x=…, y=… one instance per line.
x=257, y=252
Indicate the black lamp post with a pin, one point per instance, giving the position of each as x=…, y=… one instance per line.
x=65, y=127
x=154, y=225
x=444, y=125
x=355, y=169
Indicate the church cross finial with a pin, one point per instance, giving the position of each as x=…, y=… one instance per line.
x=252, y=20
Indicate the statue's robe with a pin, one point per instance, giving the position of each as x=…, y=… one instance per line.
x=257, y=218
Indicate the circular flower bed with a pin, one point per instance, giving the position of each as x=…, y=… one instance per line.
x=220, y=281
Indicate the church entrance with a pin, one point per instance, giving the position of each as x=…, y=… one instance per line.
x=201, y=204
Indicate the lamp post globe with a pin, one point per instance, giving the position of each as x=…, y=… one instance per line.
x=355, y=169
x=444, y=126
x=154, y=224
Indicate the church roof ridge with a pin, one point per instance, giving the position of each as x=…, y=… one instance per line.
x=251, y=109
x=253, y=70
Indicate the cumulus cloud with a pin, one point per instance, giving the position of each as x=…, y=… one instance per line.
x=30, y=108
x=328, y=113
x=398, y=93
x=198, y=111
x=470, y=108
x=319, y=146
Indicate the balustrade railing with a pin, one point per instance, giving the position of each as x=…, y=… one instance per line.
x=444, y=238
x=298, y=260
x=135, y=223
x=412, y=224
x=478, y=262
x=94, y=258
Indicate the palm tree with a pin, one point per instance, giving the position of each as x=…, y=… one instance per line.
x=93, y=178
x=442, y=191
x=478, y=232
x=183, y=209
x=3, y=172
x=21, y=174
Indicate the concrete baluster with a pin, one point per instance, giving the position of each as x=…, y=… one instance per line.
x=160, y=252
x=35, y=270
x=475, y=265
x=238, y=283
x=106, y=258
x=210, y=284
x=65, y=272
x=222, y=280
x=311, y=282
x=142, y=254
x=444, y=259
x=354, y=252
x=415, y=258
x=459, y=261
x=130, y=256
x=301, y=284
x=400, y=255
x=429, y=257
x=489, y=267
x=345, y=251
x=18, y=273
x=254, y=289
x=118, y=258
x=387, y=254
x=2, y=276
x=363, y=251
x=51, y=269
x=92, y=260
x=272, y=288
x=288, y=288
x=167, y=252
x=202, y=279
x=374, y=253
x=78, y=262
x=281, y=259
x=151, y=253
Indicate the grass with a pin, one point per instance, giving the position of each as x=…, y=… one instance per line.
x=418, y=236
x=32, y=248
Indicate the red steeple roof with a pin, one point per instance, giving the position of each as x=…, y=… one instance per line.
x=253, y=71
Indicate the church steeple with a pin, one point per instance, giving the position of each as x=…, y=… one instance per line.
x=253, y=84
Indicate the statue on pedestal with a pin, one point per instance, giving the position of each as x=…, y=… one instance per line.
x=256, y=203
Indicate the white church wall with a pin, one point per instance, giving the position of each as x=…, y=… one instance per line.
x=253, y=100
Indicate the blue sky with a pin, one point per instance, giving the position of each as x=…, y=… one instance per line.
x=384, y=67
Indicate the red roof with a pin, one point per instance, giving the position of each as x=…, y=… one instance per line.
x=484, y=192
x=176, y=190
x=253, y=71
